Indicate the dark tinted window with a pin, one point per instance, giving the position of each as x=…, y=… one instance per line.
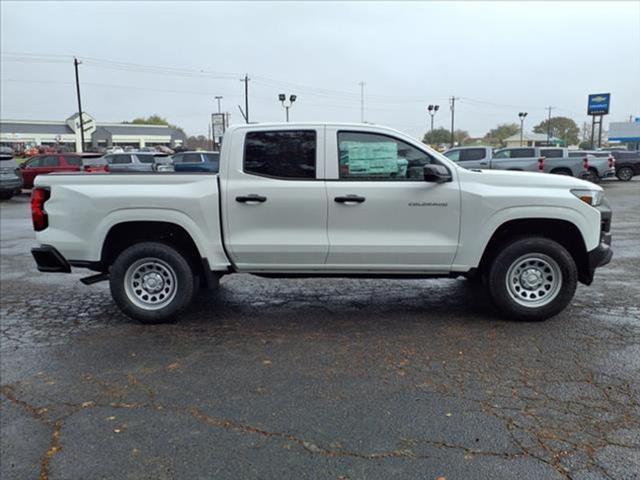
x=35, y=162
x=370, y=156
x=501, y=154
x=191, y=158
x=121, y=158
x=212, y=157
x=575, y=154
x=144, y=158
x=453, y=155
x=50, y=161
x=523, y=153
x=284, y=154
x=472, y=154
x=551, y=153
x=73, y=160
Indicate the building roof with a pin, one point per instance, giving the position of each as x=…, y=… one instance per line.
x=53, y=128
x=131, y=129
x=533, y=137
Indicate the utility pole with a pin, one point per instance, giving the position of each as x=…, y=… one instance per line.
x=549, y=126
x=218, y=98
x=362, y=84
x=246, y=97
x=75, y=65
x=453, y=111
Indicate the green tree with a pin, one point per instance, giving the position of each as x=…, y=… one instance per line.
x=438, y=136
x=154, y=119
x=496, y=136
x=461, y=136
x=561, y=127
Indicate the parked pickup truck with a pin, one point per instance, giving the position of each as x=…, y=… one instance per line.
x=291, y=200
x=534, y=159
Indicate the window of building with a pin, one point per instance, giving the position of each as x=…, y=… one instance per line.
x=287, y=154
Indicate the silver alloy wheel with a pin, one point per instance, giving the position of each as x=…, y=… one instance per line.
x=625, y=173
x=534, y=280
x=150, y=283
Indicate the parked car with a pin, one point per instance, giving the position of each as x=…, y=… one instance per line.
x=128, y=162
x=10, y=177
x=196, y=162
x=627, y=164
x=284, y=205
x=51, y=163
x=532, y=159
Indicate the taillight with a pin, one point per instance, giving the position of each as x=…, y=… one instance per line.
x=612, y=161
x=541, y=164
x=585, y=163
x=38, y=215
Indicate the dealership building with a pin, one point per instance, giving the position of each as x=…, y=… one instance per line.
x=15, y=133
x=625, y=132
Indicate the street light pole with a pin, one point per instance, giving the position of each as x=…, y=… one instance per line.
x=549, y=126
x=522, y=115
x=432, y=109
x=218, y=98
x=75, y=65
x=283, y=98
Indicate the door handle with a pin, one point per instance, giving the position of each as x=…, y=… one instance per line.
x=253, y=198
x=483, y=163
x=350, y=199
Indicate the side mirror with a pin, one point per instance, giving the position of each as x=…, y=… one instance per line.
x=436, y=174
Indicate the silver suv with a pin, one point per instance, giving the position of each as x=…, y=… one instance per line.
x=10, y=176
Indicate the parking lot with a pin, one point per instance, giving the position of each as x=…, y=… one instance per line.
x=336, y=379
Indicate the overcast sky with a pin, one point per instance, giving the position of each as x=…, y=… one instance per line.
x=499, y=58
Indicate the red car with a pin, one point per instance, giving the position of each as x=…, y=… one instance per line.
x=49, y=163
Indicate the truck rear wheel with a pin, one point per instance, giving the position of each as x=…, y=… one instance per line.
x=624, y=173
x=532, y=279
x=151, y=282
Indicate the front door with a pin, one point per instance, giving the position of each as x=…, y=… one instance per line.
x=276, y=202
x=383, y=216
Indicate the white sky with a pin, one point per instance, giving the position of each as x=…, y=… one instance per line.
x=498, y=57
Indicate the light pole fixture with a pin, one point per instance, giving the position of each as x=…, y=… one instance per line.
x=283, y=99
x=218, y=98
x=522, y=115
x=432, y=109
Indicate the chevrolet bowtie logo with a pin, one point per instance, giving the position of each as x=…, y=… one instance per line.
x=598, y=99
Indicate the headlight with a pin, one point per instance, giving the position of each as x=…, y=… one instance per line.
x=592, y=197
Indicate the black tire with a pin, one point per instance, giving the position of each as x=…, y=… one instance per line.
x=593, y=176
x=560, y=275
x=624, y=173
x=170, y=272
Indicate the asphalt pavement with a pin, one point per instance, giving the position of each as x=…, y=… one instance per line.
x=319, y=378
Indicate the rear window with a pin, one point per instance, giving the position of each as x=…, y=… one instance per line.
x=575, y=154
x=191, y=158
x=472, y=154
x=289, y=154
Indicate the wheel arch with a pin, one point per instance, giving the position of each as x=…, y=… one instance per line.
x=562, y=231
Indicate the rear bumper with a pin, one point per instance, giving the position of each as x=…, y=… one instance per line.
x=48, y=259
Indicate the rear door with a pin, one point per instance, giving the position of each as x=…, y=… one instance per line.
x=474, y=158
x=275, y=201
x=382, y=214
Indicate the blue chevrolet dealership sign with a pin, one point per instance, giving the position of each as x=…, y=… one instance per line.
x=598, y=104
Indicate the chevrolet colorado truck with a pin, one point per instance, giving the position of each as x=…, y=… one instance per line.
x=557, y=160
x=309, y=200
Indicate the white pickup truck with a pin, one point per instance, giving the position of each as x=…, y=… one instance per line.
x=309, y=200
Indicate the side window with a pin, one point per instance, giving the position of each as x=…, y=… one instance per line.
x=50, y=161
x=192, y=158
x=119, y=159
x=370, y=156
x=472, y=154
x=73, y=160
x=453, y=155
x=575, y=154
x=177, y=158
x=286, y=154
x=501, y=154
x=34, y=162
x=523, y=153
x=551, y=153
x=145, y=158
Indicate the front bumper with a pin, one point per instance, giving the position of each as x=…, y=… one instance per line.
x=48, y=259
x=10, y=184
x=602, y=254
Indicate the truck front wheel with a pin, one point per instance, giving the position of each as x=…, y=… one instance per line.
x=151, y=282
x=532, y=279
